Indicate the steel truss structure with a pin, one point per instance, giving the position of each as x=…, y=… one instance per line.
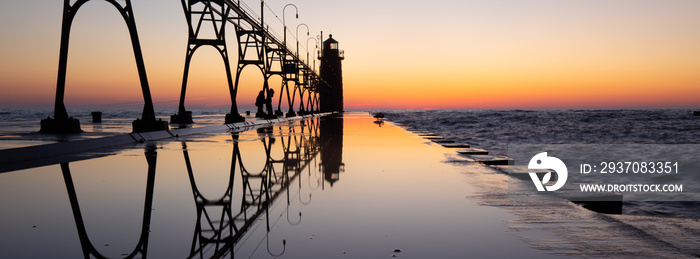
x=206, y=20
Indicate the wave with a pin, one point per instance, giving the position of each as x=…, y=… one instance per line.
x=495, y=130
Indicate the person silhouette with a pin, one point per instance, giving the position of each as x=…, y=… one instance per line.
x=259, y=102
x=268, y=101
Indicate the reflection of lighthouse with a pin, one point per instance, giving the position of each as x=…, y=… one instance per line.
x=331, y=89
x=331, y=140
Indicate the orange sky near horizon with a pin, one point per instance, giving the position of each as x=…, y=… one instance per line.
x=400, y=55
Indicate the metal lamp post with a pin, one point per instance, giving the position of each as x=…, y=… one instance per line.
x=307, y=49
x=284, y=23
x=307, y=34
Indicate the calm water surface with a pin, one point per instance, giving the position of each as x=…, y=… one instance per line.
x=323, y=188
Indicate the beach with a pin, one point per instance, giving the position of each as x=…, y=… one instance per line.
x=325, y=187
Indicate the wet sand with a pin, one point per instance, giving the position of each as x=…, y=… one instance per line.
x=578, y=231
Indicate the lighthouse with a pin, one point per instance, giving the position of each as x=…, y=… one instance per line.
x=331, y=87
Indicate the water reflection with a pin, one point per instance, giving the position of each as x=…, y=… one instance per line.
x=89, y=250
x=291, y=153
x=331, y=138
x=207, y=232
x=222, y=194
x=216, y=237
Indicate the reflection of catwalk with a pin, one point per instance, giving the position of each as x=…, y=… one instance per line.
x=141, y=248
x=216, y=236
x=219, y=227
x=205, y=224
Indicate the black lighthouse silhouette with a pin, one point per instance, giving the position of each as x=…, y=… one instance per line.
x=331, y=87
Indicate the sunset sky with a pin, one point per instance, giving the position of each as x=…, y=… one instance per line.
x=484, y=54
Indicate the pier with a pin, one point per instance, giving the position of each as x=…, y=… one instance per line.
x=306, y=91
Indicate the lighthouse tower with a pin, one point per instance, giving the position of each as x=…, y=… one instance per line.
x=331, y=89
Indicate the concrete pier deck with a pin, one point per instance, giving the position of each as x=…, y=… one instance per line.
x=330, y=187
